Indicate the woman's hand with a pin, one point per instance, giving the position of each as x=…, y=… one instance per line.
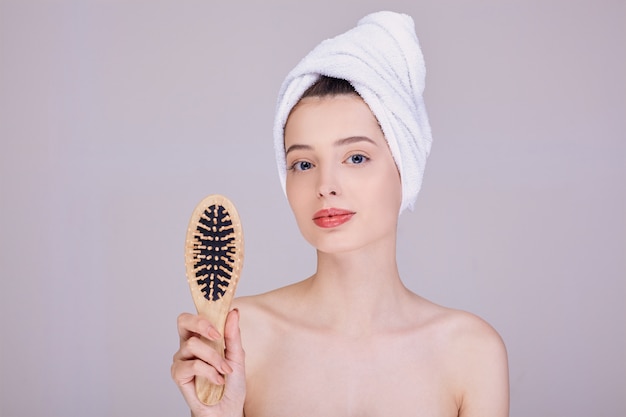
x=197, y=358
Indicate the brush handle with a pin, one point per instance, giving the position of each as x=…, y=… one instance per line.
x=208, y=392
x=215, y=312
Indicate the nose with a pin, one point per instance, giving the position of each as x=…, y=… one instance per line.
x=326, y=192
x=328, y=183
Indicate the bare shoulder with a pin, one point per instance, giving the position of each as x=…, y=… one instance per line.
x=466, y=330
x=457, y=328
x=262, y=315
x=479, y=348
x=267, y=306
x=477, y=359
x=264, y=319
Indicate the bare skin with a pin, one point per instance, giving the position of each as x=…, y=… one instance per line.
x=351, y=340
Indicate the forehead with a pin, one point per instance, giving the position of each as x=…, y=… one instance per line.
x=331, y=117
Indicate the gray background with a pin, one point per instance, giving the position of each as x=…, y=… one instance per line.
x=117, y=117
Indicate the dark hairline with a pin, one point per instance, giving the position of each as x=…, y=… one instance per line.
x=329, y=86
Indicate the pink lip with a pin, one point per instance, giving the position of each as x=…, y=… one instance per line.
x=332, y=217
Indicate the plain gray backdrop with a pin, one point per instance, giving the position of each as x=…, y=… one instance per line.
x=117, y=117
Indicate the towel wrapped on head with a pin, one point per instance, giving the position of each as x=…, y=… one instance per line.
x=381, y=58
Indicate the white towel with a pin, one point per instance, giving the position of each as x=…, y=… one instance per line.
x=382, y=59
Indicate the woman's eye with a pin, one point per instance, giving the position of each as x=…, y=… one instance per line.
x=301, y=165
x=357, y=159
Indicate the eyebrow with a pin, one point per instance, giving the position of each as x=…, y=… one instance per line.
x=340, y=142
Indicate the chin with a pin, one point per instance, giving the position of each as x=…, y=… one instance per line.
x=349, y=238
x=335, y=244
x=327, y=244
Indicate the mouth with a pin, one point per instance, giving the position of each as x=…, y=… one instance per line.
x=332, y=217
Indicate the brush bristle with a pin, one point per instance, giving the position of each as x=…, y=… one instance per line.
x=214, y=252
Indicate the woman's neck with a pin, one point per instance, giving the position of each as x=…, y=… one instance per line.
x=357, y=292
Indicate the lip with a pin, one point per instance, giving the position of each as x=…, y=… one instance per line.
x=332, y=217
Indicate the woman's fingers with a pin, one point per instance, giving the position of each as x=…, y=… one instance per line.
x=192, y=324
x=184, y=374
x=185, y=371
x=198, y=357
x=196, y=347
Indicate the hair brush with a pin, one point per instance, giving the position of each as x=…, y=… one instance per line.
x=213, y=262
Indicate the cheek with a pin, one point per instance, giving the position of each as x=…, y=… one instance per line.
x=396, y=190
x=291, y=195
x=392, y=195
x=300, y=207
x=295, y=197
x=394, y=185
x=387, y=189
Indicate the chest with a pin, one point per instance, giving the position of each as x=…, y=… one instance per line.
x=311, y=376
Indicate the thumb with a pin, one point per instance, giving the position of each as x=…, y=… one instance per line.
x=232, y=339
x=235, y=389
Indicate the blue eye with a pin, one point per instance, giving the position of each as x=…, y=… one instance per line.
x=357, y=159
x=301, y=165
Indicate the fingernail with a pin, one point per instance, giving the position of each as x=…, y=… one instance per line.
x=214, y=334
x=226, y=368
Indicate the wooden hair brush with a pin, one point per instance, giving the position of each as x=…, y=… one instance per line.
x=213, y=262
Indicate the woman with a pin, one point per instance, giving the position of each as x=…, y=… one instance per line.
x=351, y=340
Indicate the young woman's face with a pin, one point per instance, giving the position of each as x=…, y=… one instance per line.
x=342, y=183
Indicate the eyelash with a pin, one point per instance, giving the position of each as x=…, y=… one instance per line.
x=364, y=159
x=297, y=165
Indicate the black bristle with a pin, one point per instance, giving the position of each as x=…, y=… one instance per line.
x=214, y=250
